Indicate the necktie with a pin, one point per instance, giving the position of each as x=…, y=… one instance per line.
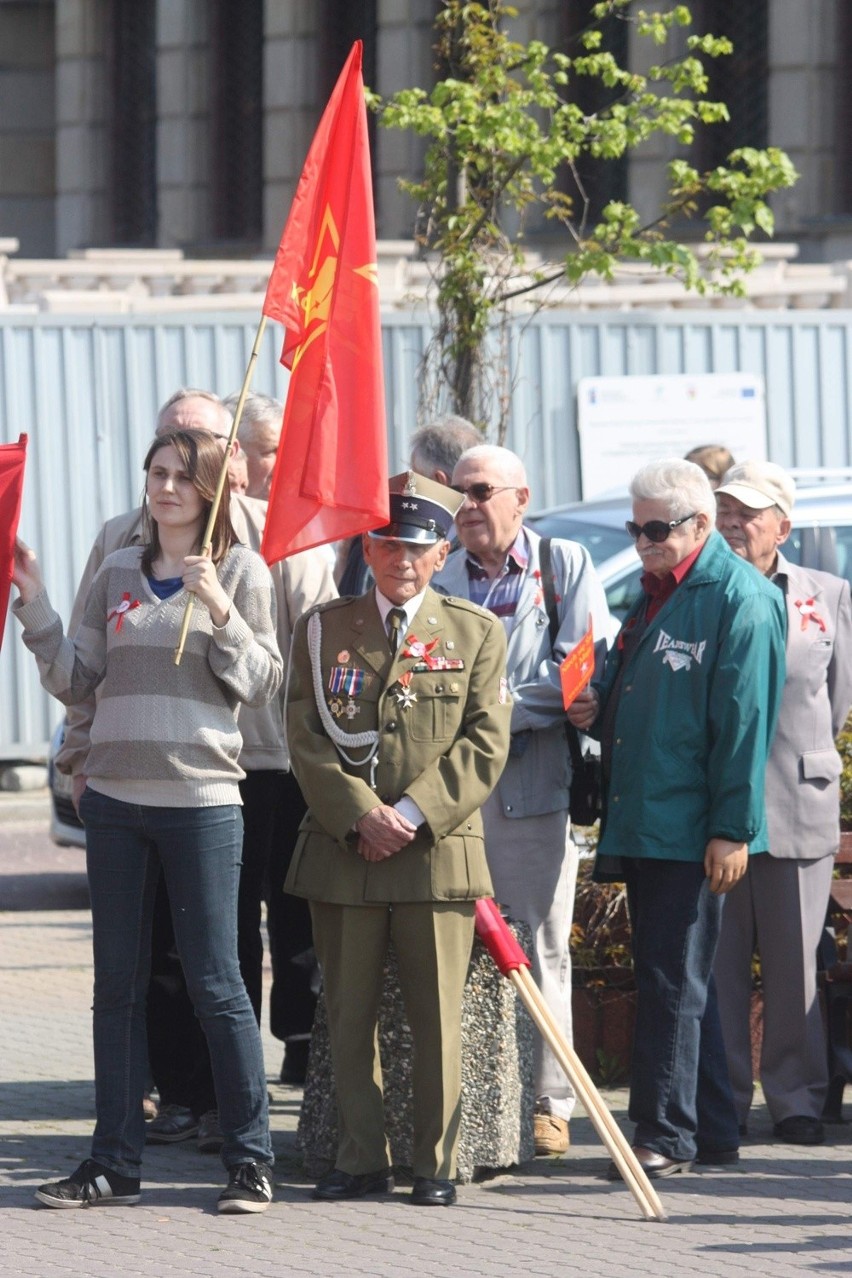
x=396, y=622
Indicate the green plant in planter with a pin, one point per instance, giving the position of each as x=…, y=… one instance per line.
x=604, y=989
x=600, y=934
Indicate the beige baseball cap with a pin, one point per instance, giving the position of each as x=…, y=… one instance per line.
x=759, y=484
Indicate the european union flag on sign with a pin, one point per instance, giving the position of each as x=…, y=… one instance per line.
x=747, y=392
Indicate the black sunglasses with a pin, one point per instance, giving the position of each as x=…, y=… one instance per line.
x=655, y=529
x=482, y=493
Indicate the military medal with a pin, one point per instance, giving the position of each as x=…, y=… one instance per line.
x=351, y=709
x=335, y=705
x=343, y=656
x=346, y=679
x=404, y=694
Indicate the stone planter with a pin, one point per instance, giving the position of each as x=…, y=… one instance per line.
x=497, y=1074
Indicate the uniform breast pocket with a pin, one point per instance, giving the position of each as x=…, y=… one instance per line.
x=436, y=712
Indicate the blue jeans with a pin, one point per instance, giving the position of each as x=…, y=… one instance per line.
x=199, y=850
x=680, y=1096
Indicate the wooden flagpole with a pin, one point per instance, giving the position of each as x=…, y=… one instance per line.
x=207, y=544
x=513, y=963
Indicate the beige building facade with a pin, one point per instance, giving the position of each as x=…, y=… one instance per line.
x=184, y=123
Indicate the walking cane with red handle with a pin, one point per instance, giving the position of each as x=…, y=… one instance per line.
x=513, y=963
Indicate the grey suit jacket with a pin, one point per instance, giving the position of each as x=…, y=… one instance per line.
x=803, y=774
x=537, y=781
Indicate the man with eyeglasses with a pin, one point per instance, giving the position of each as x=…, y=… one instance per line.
x=780, y=906
x=685, y=713
x=531, y=855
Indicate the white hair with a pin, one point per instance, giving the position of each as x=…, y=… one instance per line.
x=440, y=443
x=258, y=410
x=681, y=485
x=508, y=464
x=192, y=392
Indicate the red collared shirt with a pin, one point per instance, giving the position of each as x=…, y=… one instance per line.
x=659, y=589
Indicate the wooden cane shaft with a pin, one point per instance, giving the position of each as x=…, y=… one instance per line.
x=623, y=1156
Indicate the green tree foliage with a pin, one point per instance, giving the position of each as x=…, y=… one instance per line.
x=505, y=135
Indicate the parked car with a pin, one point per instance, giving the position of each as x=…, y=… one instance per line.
x=66, y=828
x=821, y=536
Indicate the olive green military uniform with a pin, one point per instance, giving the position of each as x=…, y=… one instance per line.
x=440, y=715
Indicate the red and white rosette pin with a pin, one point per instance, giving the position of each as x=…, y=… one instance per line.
x=808, y=612
x=121, y=611
x=415, y=647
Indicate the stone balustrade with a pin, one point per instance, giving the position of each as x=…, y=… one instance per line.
x=163, y=280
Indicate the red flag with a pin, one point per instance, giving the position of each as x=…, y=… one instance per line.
x=331, y=477
x=12, y=458
x=577, y=669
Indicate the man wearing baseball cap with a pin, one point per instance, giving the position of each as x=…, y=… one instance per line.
x=398, y=722
x=780, y=906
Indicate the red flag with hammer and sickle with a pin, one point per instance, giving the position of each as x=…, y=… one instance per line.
x=330, y=479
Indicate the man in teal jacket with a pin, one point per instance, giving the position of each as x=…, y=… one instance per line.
x=685, y=714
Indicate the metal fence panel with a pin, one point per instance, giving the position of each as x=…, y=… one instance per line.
x=87, y=394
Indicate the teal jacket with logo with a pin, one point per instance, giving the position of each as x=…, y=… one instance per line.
x=697, y=709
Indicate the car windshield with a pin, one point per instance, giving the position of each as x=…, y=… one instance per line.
x=601, y=541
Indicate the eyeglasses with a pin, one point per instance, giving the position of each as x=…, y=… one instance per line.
x=655, y=529
x=481, y=493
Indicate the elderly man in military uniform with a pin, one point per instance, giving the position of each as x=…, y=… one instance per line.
x=398, y=720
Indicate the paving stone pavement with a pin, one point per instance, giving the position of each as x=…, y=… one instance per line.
x=783, y=1211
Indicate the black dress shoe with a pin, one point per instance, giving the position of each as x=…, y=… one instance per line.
x=433, y=1193
x=654, y=1165
x=717, y=1157
x=294, y=1067
x=799, y=1129
x=335, y=1186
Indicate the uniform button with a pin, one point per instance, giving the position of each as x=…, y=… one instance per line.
x=391, y=727
x=616, y=798
x=385, y=798
x=439, y=687
x=618, y=740
x=508, y=807
x=469, y=825
x=628, y=687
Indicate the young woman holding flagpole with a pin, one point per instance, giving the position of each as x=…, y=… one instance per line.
x=163, y=791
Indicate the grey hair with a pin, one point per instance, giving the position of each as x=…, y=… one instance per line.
x=192, y=392
x=503, y=460
x=439, y=444
x=258, y=410
x=681, y=485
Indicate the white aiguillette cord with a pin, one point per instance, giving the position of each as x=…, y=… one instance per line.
x=357, y=740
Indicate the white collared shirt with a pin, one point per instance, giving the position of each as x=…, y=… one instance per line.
x=411, y=608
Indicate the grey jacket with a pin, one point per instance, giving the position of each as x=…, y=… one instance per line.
x=803, y=773
x=537, y=776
